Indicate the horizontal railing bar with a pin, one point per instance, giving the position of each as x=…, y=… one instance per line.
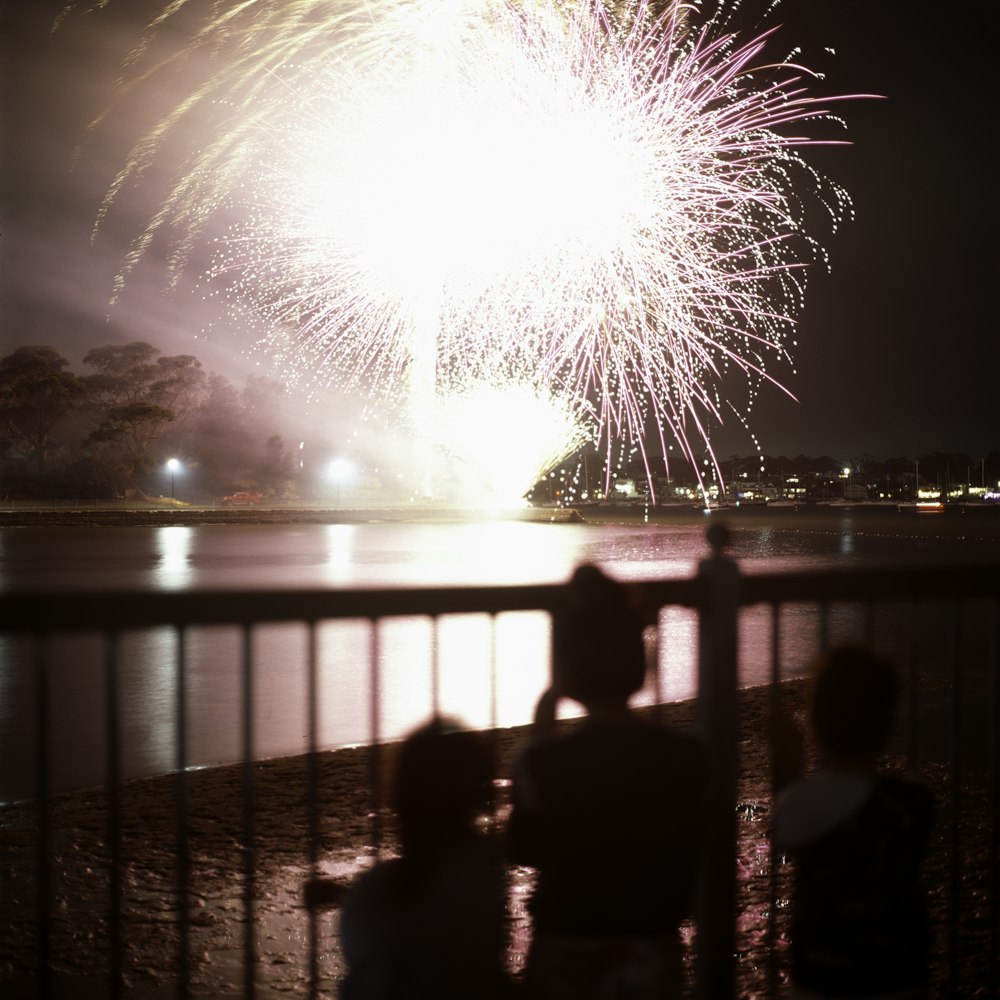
x=61, y=611
x=873, y=584
x=43, y=612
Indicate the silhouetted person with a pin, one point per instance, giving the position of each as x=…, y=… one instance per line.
x=611, y=814
x=857, y=838
x=432, y=922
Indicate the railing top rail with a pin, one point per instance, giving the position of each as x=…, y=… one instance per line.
x=886, y=583
x=66, y=610
x=60, y=610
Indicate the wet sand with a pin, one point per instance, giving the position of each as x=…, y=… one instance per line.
x=79, y=834
x=79, y=837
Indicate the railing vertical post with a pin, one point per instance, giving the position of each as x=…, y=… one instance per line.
x=375, y=742
x=114, y=778
x=718, y=723
x=774, y=705
x=955, y=780
x=913, y=688
x=494, y=694
x=993, y=666
x=312, y=798
x=436, y=666
x=42, y=806
x=182, y=819
x=249, y=859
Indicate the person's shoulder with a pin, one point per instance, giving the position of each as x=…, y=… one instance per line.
x=905, y=785
x=376, y=884
x=664, y=753
x=907, y=792
x=811, y=807
x=650, y=740
x=677, y=742
x=542, y=749
x=371, y=917
x=675, y=735
x=483, y=851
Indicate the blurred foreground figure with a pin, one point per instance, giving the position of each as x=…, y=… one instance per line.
x=431, y=923
x=611, y=814
x=857, y=838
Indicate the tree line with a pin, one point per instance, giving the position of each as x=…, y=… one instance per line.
x=109, y=433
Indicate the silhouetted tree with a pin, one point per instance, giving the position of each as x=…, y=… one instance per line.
x=900, y=466
x=134, y=396
x=216, y=438
x=231, y=442
x=275, y=466
x=35, y=397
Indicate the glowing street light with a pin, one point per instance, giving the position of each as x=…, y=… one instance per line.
x=173, y=466
x=341, y=471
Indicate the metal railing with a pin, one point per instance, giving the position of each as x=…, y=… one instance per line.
x=967, y=900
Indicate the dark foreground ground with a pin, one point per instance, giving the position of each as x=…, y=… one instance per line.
x=78, y=837
x=959, y=883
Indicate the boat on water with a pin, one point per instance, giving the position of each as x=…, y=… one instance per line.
x=710, y=505
x=922, y=506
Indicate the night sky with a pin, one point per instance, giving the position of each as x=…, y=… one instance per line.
x=898, y=349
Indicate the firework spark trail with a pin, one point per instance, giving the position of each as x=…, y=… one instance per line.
x=603, y=206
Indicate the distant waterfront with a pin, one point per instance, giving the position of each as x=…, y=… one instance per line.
x=946, y=519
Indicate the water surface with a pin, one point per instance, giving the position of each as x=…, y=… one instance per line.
x=458, y=651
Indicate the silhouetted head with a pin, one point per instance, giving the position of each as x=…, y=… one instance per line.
x=442, y=784
x=598, y=654
x=854, y=699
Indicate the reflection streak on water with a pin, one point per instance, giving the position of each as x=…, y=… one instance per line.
x=339, y=547
x=173, y=546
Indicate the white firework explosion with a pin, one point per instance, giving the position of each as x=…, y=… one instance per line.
x=605, y=205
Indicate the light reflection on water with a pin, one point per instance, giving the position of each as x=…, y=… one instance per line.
x=421, y=667
x=174, y=570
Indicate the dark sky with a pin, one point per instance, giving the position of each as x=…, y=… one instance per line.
x=898, y=350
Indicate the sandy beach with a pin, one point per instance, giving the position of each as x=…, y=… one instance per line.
x=79, y=837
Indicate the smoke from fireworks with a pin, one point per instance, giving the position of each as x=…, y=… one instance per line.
x=425, y=199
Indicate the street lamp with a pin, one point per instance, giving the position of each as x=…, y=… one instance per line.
x=341, y=471
x=172, y=466
x=847, y=491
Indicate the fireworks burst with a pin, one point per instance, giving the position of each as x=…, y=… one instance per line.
x=599, y=204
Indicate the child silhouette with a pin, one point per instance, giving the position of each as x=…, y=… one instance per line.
x=431, y=924
x=857, y=837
